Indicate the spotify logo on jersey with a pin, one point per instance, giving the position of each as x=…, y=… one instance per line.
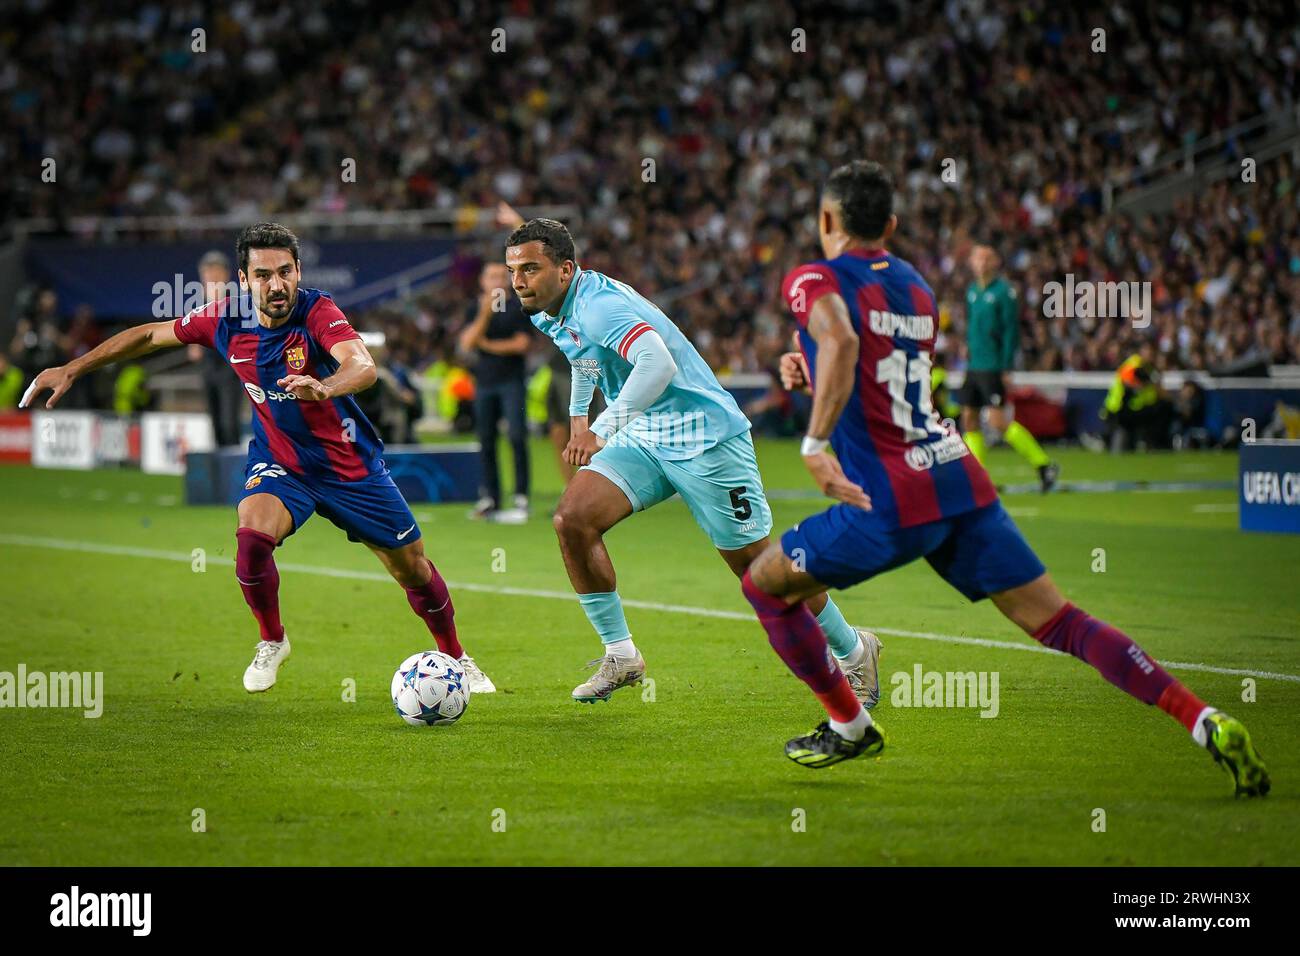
x=255, y=392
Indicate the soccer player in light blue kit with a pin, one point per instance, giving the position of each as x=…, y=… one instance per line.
x=669, y=428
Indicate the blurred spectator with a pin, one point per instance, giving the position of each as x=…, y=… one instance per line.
x=11, y=384
x=498, y=335
x=221, y=388
x=1008, y=94
x=1189, y=417
x=1137, y=413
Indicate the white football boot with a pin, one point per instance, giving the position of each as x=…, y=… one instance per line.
x=613, y=673
x=864, y=677
x=479, y=683
x=260, y=674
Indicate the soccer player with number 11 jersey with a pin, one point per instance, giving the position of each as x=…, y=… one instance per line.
x=908, y=488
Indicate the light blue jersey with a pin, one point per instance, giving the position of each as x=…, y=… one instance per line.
x=600, y=318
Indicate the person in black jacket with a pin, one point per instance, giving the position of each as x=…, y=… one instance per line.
x=499, y=334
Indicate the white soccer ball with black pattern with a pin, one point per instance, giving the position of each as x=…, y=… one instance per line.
x=430, y=688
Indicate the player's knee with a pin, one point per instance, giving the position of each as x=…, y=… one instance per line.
x=410, y=568
x=762, y=571
x=411, y=576
x=570, y=522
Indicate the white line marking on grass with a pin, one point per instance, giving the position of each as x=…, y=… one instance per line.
x=1022, y=512
x=1214, y=509
x=129, y=551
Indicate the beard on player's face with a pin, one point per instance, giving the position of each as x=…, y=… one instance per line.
x=278, y=303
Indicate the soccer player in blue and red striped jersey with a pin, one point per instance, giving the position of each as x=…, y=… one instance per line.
x=313, y=451
x=908, y=487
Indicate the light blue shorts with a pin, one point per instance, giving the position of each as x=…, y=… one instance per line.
x=721, y=486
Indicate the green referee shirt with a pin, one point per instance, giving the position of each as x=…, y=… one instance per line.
x=992, y=326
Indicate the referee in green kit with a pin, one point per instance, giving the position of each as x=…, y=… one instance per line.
x=992, y=338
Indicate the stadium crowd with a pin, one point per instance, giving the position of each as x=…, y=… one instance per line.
x=699, y=192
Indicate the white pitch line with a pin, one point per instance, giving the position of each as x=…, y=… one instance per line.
x=1023, y=512
x=129, y=551
x=1213, y=508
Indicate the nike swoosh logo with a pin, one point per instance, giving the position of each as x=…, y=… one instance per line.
x=235, y=361
x=406, y=532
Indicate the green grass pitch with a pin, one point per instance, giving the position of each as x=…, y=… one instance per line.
x=695, y=775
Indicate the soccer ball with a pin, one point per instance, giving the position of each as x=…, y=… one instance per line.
x=430, y=688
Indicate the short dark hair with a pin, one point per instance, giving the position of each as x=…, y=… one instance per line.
x=554, y=237
x=264, y=235
x=865, y=192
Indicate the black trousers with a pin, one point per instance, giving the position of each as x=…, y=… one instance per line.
x=491, y=404
x=225, y=399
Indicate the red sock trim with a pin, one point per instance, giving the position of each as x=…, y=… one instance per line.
x=1181, y=704
x=840, y=701
x=260, y=535
x=1056, y=619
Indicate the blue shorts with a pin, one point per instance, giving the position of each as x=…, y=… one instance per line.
x=721, y=486
x=978, y=552
x=370, y=510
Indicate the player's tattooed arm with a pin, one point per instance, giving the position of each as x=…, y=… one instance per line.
x=837, y=357
x=132, y=343
x=356, y=373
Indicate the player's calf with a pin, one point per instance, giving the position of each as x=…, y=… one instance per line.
x=1125, y=664
x=797, y=639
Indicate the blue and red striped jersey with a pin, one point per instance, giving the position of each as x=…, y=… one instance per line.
x=328, y=439
x=889, y=439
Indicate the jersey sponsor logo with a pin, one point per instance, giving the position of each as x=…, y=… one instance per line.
x=804, y=277
x=918, y=327
x=877, y=266
x=405, y=533
x=337, y=322
x=946, y=449
x=919, y=457
x=588, y=367
x=236, y=361
x=296, y=357
x=261, y=396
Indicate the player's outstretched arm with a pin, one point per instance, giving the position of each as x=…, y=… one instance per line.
x=356, y=373
x=837, y=357
x=132, y=343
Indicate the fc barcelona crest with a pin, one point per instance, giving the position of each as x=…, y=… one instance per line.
x=296, y=356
